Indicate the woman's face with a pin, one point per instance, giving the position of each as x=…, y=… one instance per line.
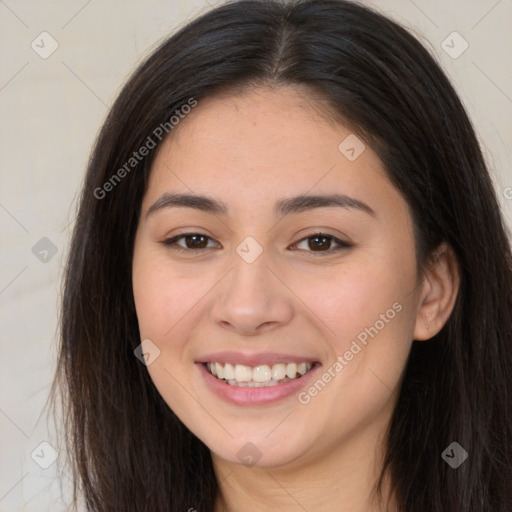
x=258, y=292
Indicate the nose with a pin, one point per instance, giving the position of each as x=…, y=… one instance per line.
x=252, y=299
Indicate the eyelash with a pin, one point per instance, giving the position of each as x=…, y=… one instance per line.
x=171, y=242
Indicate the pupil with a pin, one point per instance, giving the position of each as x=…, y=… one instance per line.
x=193, y=244
x=325, y=244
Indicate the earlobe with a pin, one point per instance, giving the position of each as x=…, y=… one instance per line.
x=439, y=289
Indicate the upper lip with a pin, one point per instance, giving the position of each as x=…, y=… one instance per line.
x=246, y=359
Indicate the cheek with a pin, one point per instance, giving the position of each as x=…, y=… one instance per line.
x=162, y=297
x=352, y=297
x=164, y=304
x=367, y=305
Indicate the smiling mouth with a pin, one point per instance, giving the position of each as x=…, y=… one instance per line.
x=258, y=376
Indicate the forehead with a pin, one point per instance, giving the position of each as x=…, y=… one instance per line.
x=262, y=144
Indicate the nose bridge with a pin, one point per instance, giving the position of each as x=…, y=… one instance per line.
x=251, y=295
x=251, y=264
x=250, y=280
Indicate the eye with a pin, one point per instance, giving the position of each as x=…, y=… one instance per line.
x=316, y=242
x=321, y=242
x=192, y=241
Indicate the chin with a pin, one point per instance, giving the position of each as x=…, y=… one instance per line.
x=256, y=451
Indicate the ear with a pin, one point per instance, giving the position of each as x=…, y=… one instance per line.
x=439, y=288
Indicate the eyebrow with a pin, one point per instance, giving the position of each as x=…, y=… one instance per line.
x=282, y=207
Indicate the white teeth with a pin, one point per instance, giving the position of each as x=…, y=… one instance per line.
x=220, y=370
x=301, y=368
x=251, y=384
x=243, y=373
x=229, y=371
x=261, y=373
x=278, y=371
x=259, y=376
x=291, y=370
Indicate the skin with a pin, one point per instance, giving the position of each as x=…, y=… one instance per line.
x=250, y=150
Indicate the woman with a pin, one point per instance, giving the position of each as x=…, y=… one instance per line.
x=289, y=285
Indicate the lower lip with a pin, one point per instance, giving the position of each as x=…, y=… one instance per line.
x=255, y=396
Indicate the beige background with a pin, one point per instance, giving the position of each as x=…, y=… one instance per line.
x=51, y=110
